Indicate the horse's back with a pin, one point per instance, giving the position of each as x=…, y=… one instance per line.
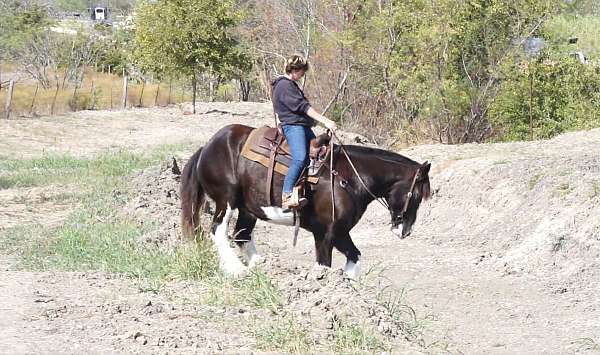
x=218, y=161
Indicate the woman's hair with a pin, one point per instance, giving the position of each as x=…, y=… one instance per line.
x=295, y=62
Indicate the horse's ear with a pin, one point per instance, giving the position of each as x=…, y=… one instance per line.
x=424, y=170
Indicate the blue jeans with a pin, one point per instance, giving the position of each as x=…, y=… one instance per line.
x=298, y=138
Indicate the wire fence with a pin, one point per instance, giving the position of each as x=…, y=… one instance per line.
x=96, y=91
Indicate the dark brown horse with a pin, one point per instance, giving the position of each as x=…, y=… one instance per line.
x=234, y=182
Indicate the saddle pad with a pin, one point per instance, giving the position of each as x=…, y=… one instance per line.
x=257, y=153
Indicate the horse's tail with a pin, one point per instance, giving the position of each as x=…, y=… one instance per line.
x=192, y=197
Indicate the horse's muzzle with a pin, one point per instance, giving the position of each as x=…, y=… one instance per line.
x=401, y=232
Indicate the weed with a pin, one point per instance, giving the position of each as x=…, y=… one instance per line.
x=534, y=181
x=356, y=339
x=282, y=335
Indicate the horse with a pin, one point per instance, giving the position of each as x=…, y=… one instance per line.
x=360, y=176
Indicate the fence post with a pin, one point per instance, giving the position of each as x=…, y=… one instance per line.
x=156, y=96
x=11, y=85
x=124, y=99
x=170, y=88
x=32, y=108
x=140, y=103
x=111, y=87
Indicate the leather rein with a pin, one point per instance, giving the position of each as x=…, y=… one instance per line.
x=381, y=200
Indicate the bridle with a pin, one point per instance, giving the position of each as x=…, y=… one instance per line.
x=382, y=201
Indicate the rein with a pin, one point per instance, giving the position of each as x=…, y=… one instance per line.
x=382, y=201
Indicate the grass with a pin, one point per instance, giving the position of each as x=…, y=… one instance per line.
x=564, y=189
x=105, y=169
x=595, y=189
x=395, y=303
x=97, y=236
x=282, y=335
x=534, y=181
x=255, y=290
x=586, y=344
x=356, y=339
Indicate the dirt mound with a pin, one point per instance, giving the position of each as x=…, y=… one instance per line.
x=529, y=207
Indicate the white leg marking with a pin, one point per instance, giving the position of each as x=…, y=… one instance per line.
x=229, y=261
x=277, y=216
x=252, y=256
x=352, y=269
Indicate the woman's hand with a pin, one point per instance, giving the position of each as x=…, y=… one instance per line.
x=330, y=125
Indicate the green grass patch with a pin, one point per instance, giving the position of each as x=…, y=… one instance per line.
x=65, y=169
x=254, y=290
x=357, y=339
x=282, y=335
x=97, y=236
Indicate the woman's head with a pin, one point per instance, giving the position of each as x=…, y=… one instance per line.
x=296, y=66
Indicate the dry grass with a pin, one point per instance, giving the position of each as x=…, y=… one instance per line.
x=98, y=91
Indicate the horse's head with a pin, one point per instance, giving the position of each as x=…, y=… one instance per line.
x=405, y=197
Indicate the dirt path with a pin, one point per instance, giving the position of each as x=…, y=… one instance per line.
x=482, y=283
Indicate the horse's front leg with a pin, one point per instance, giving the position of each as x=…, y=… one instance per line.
x=346, y=246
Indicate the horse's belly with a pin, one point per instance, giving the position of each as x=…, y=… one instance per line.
x=276, y=215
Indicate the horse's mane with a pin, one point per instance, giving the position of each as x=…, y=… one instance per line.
x=385, y=155
x=391, y=157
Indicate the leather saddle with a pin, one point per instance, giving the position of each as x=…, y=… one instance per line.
x=267, y=145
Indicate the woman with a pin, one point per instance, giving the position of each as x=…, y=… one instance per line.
x=297, y=117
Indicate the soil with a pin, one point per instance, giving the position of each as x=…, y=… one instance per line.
x=505, y=257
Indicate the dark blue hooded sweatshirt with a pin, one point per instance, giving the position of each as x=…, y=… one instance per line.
x=289, y=103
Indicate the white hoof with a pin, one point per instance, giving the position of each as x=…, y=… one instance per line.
x=235, y=269
x=255, y=260
x=352, y=270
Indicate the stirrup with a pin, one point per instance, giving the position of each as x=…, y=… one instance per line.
x=293, y=201
x=314, y=166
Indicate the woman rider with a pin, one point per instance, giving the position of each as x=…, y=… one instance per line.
x=297, y=117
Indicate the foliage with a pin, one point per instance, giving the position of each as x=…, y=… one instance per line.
x=565, y=96
x=187, y=37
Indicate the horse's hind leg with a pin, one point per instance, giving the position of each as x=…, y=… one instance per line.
x=323, y=248
x=244, y=238
x=229, y=261
x=344, y=244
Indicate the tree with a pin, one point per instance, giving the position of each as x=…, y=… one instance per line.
x=188, y=38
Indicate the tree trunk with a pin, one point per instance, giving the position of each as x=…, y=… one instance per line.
x=244, y=90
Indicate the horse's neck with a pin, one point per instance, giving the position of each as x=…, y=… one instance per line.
x=378, y=175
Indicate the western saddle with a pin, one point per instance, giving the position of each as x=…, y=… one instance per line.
x=267, y=146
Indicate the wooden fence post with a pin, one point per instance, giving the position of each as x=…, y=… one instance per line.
x=170, y=88
x=11, y=85
x=124, y=99
x=156, y=96
x=140, y=103
x=32, y=108
x=111, y=87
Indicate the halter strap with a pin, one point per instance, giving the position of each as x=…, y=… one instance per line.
x=410, y=192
